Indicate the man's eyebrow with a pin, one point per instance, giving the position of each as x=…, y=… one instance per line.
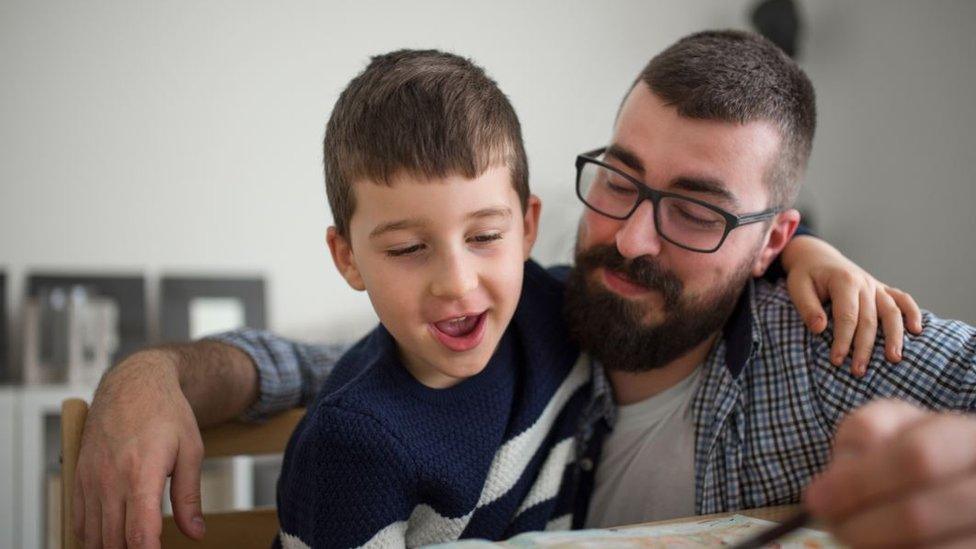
x=702, y=185
x=708, y=186
x=398, y=225
x=626, y=156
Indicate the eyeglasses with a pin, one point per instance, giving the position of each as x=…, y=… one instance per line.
x=683, y=221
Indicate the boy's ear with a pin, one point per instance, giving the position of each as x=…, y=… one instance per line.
x=780, y=232
x=343, y=258
x=533, y=208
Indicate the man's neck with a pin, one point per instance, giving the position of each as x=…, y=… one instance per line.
x=631, y=387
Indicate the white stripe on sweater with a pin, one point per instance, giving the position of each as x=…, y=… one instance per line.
x=550, y=478
x=393, y=536
x=560, y=523
x=289, y=541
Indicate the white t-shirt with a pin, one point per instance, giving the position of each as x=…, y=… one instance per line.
x=647, y=466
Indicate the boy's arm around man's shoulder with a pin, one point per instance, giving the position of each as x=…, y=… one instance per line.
x=937, y=371
x=346, y=481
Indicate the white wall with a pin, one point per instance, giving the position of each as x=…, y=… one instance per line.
x=185, y=136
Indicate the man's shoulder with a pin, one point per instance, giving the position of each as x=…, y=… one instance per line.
x=772, y=307
x=772, y=295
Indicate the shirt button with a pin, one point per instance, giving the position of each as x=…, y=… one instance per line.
x=586, y=464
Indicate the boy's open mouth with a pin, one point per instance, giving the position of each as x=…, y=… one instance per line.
x=461, y=333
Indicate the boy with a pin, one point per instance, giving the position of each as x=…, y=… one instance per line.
x=449, y=418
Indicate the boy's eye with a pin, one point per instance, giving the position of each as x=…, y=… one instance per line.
x=409, y=250
x=485, y=238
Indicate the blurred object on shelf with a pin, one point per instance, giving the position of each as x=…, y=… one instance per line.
x=70, y=335
x=128, y=292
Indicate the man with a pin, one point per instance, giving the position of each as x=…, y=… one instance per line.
x=723, y=400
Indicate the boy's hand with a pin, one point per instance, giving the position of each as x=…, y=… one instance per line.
x=140, y=429
x=817, y=273
x=900, y=476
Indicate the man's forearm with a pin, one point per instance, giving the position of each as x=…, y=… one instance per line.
x=218, y=380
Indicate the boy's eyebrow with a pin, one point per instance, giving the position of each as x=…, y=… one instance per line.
x=400, y=225
x=497, y=211
x=404, y=224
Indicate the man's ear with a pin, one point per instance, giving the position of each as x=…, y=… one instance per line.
x=777, y=237
x=343, y=258
x=533, y=209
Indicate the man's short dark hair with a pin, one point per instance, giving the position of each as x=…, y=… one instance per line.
x=423, y=112
x=741, y=77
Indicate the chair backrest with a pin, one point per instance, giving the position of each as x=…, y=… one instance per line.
x=251, y=528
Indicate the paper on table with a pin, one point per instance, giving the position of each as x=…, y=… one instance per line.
x=704, y=533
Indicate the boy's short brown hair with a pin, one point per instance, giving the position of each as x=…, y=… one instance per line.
x=426, y=112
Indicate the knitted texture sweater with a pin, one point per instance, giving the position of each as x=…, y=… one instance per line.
x=381, y=460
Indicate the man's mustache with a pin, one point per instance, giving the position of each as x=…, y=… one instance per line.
x=643, y=271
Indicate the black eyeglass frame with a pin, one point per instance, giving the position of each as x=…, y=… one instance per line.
x=644, y=192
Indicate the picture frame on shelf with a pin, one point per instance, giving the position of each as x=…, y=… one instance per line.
x=196, y=306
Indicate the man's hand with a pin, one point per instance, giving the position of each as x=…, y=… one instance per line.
x=900, y=476
x=140, y=429
x=817, y=272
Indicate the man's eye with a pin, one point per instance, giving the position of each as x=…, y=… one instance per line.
x=409, y=250
x=706, y=223
x=485, y=238
x=617, y=188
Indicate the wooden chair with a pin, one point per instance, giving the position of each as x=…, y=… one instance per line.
x=251, y=528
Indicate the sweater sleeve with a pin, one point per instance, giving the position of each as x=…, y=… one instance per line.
x=345, y=482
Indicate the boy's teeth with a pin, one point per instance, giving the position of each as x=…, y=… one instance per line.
x=459, y=326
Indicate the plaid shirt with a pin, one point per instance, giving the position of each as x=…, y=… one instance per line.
x=765, y=411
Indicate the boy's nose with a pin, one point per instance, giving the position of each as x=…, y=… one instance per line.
x=638, y=236
x=454, y=279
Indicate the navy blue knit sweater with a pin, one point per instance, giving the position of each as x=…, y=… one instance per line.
x=382, y=460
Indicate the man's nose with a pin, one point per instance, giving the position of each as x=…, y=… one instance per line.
x=638, y=236
x=454, y=277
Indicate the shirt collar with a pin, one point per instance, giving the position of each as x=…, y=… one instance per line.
x=742, y=334
x=602, y=404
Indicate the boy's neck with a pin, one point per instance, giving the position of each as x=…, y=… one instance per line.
x=425, y=375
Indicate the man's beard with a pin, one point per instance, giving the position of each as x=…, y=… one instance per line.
x=612, y=328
